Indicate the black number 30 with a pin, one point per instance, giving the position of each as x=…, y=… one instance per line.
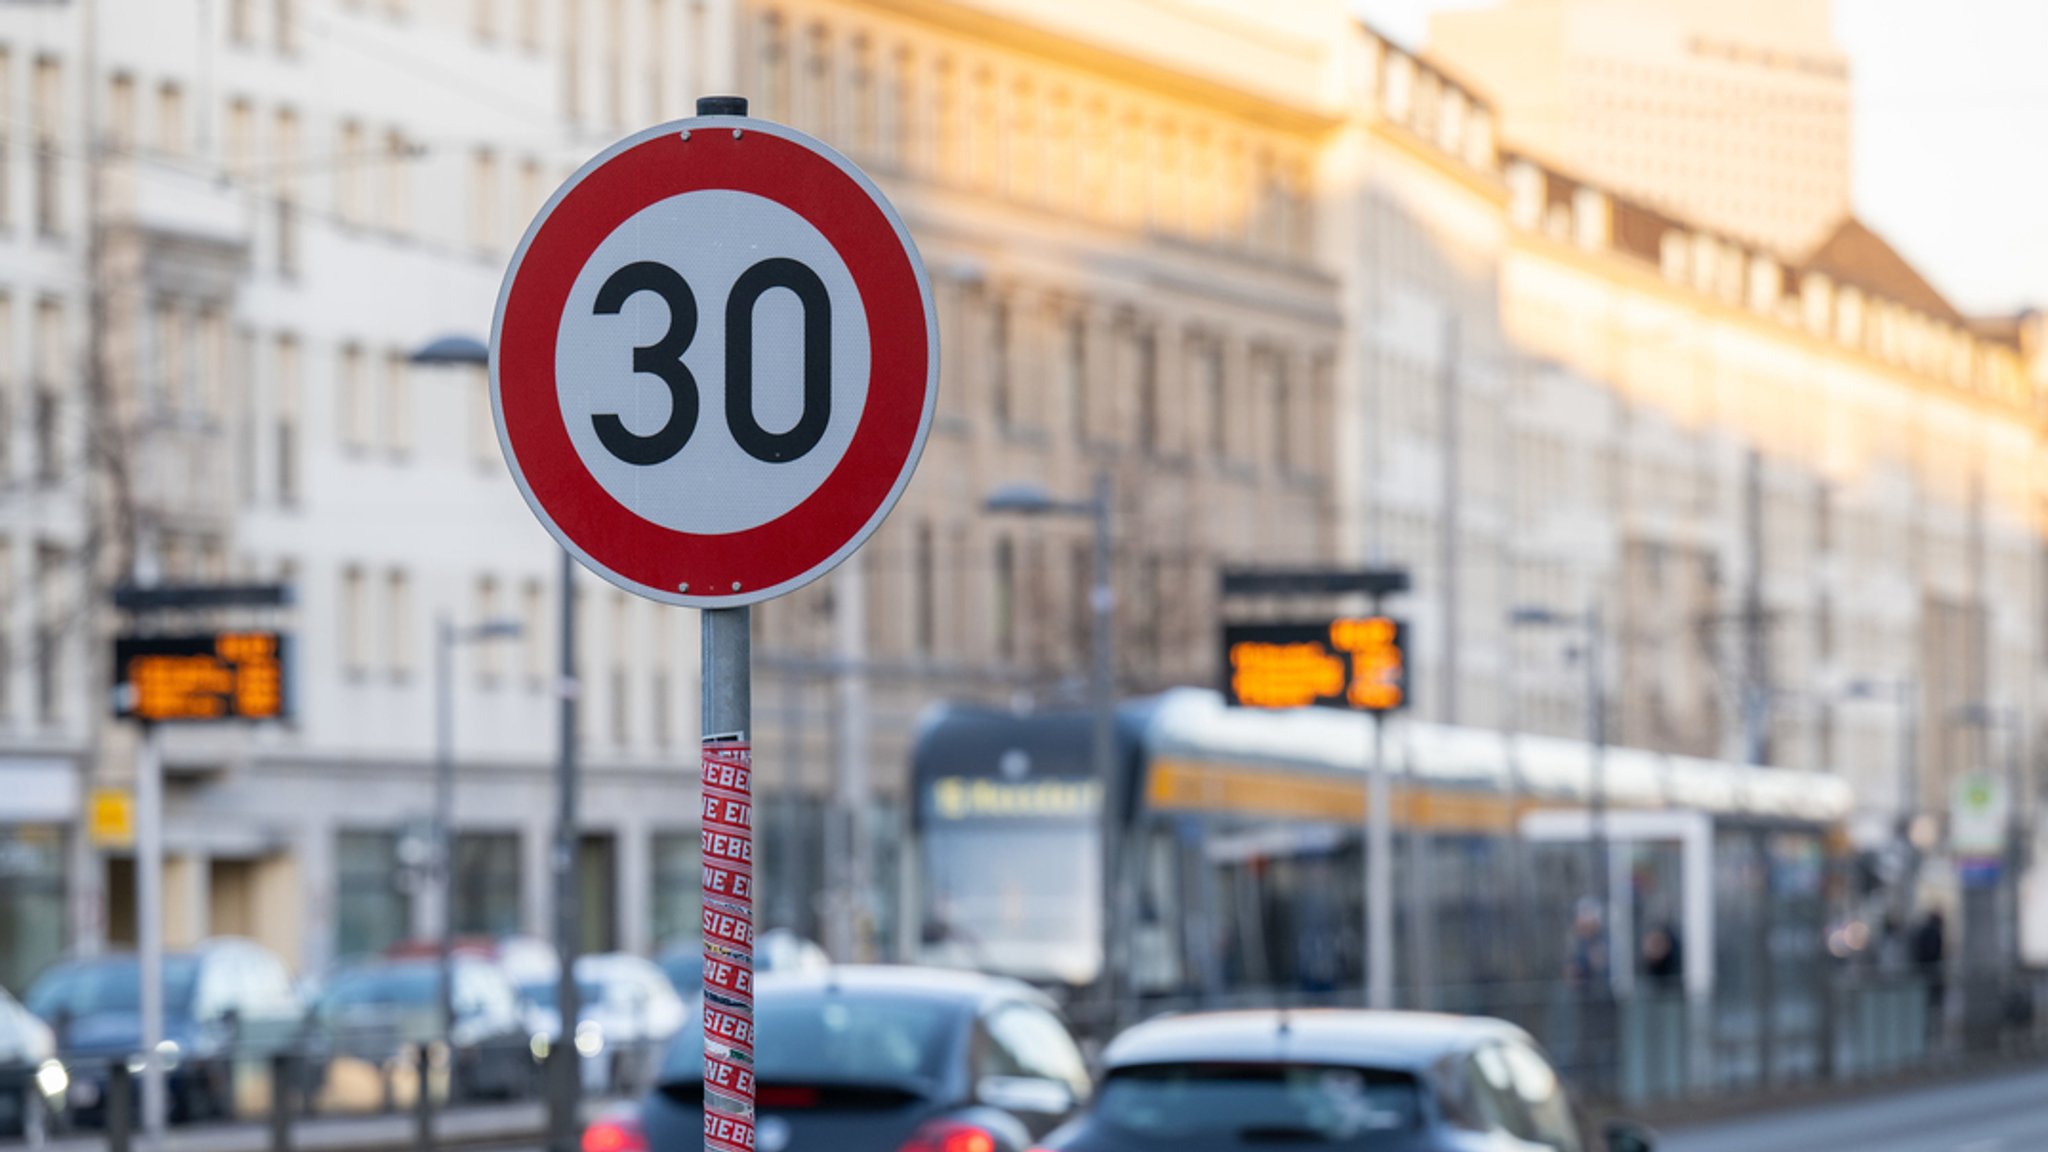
x=663, y=360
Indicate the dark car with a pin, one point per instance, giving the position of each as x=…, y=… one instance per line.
x=226, y=1000
x=1344, y=1081
x=378, y=1011
x=862, y=1059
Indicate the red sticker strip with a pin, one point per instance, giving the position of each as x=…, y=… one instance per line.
x=727, y=841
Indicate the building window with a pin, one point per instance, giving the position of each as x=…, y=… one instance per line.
x=50, y=373
x=621, y=672
x=677, y=890
x=999, y=363
x=484, y=19
x=287, y=420
x=483, y=437
x=615, y=61
x=372, y=910
x=487, y=608
x=487, y=883
x=533, y=631
x=49, y=129
x=1281, y=382
x=122, y=117
x=286, y=182
x=1074, y=372
x=286, y=27
x=7, y=133
x=397, y=404
x=398, y=644
x=483, y=200
x=1005, y=600
x=52, y=608
x=348, y=172
x=924, y=590
x=529, y=25
x=242, y=21
x=353, y=394
x=659, y=47
x=662, y=680
x=1145, y=367
x=170, y=119
x=9, y=590
x=355, y=622
x=397, y=200
x=9, y=405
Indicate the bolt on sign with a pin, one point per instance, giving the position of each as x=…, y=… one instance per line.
x=713, y=367
x=202, y=676
x=1359, y=663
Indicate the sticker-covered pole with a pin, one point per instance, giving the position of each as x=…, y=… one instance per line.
x=728, y=848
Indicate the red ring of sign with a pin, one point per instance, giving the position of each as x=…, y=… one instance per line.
x=798, y=542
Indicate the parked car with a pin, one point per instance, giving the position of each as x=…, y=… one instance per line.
x=226, y=1000
x=1342, y=1080
x=626, y=1015
x=31, y=1076
x=862, y=1059
x=381, y=1010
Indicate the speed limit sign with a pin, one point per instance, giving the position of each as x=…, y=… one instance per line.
x=714, y=361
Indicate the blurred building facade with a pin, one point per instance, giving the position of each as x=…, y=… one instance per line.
x=1734, y=114
x=1282, y=281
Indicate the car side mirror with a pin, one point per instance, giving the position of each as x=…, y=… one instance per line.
x=1628, y=1136
x=1025, y=1094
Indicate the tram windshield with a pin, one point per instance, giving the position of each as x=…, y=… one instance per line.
x=1021, y=897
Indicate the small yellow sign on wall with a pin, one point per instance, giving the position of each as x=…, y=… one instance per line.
x=110, y=818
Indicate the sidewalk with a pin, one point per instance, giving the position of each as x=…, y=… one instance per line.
x=466, y=1126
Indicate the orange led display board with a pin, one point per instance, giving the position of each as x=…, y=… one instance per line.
x=193, y=677
x=1357, y=662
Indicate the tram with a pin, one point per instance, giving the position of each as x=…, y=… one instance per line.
x=1245, y=874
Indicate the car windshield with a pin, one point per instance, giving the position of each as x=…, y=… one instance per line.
x=899, y=1042
x=546, y=993
x=1205, y=1106
x=401, y=985
x=111, y=985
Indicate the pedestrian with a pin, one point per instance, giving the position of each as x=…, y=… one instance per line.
x=1663, y=958
x=1930, y=941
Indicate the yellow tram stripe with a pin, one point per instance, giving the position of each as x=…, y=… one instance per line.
x=1184, y=786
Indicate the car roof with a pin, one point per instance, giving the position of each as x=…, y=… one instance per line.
x=943, y=985
x=1400, y=1040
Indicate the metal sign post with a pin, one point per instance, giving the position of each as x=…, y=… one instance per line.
x=642, y=393
x=149, y=929
x=1357, y=663
x=728, y=882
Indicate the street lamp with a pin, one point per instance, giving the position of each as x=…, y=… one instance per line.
x=1031, y=499
x=446, y=636
x=564, y=1133
x=1594, y=629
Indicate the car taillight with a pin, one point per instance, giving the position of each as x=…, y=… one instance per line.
x=615, y=1134
x=948, y=1136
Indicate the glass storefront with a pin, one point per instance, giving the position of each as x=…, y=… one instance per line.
x=31, y=901
x=487, y=883
x=372, y=909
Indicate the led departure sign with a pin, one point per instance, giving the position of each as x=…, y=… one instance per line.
x=1357, y=662
x=192, y=677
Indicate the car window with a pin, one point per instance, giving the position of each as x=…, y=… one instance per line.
x=1542, y=1097
x=855, y=1040
x=1465, y=1097
x=1029, y=1041
x=1329, y=1106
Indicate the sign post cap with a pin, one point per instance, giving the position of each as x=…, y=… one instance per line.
x=721, y=105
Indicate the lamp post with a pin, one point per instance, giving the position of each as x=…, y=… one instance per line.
x=1030, y=499
x=447, y=635
x=564, y=1087
x=1591, y=624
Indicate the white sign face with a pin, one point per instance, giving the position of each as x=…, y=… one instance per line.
x=1978, y=812
x=714, y=362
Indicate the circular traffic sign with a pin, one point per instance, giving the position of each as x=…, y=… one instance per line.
x=714, y=361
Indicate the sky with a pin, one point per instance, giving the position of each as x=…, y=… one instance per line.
x=1949, y=150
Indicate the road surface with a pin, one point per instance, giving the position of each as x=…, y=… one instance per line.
x=2007, y=1113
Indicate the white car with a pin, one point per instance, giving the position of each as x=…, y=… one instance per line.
x=627, y=1013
